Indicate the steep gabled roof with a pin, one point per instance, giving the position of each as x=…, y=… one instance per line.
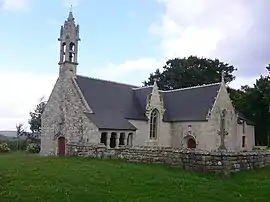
x=189, y=104
x=114, y=103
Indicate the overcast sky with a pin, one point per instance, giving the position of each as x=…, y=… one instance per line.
x=124, y=41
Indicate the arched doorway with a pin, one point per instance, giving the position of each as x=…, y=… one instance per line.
x=191, y=144
x=61, y=146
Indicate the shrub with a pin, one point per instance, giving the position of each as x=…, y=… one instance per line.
x=15, y=144
x=4, y=147
x=33, y=148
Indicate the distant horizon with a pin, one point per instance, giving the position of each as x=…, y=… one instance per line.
x=8, y=133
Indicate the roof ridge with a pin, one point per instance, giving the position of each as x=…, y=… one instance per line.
x=116, y=82
x=192, y=87
x=143, y=87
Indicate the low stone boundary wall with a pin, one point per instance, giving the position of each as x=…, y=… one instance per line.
x=218, y=162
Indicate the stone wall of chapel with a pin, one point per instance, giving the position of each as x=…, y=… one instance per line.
x=249, y=136
x=165, y=134
x=49, y=120
x=66, y=93
x=179, y=129
x=212, y=138
x=142, y=135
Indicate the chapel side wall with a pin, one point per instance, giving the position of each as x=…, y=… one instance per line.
x=142, y=135
x=239, y=135
x=232, y=140
x=249, y=136
x=49, y=119
x=179, y=129
x=165, y=134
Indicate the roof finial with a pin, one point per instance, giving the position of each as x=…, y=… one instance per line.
x=70, y=9
x=70, y=16
x=223, y=76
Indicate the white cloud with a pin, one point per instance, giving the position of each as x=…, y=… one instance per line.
x=131, y=67
x=214, y=29
x=196, y=26
x=20, y=92
x=192, y=27
x=14, y=4
x=242, y=81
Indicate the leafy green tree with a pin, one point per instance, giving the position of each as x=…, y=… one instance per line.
x=191, y=71
x=35, y=120
x=258, y=102
x=254, y=103
x=20, y=131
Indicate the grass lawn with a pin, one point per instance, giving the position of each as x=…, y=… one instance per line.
x=32, y=178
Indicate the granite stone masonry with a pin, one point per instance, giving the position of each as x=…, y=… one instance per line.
x=217, y=162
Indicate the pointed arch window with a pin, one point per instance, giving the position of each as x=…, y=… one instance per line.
x=154, y=123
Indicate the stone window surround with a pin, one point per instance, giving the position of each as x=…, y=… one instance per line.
x=154, y=122
x=128, y=137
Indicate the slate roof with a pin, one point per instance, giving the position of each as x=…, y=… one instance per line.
x=114, y=103
x=189, y=104
x=243, y=117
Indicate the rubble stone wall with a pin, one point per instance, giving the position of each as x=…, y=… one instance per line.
x=218, y=162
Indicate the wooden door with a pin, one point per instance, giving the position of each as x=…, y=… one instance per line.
x=61, y=146
x=191, y=144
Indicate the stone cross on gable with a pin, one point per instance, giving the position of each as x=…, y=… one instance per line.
x=222, y=131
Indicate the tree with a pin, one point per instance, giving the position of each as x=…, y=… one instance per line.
x=257, y=108
x=191, y=71
x=35, y=120
x=20, y=131
x=254, y=103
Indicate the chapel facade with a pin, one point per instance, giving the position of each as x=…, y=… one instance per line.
x=95, y=111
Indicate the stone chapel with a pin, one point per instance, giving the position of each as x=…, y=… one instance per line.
x=96, y=111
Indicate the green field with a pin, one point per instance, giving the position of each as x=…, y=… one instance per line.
x=32, y=178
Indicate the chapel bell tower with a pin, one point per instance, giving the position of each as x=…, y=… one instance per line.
x=69, y=38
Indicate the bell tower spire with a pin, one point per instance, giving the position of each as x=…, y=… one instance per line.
x=69, y=38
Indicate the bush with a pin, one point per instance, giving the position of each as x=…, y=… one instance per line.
x=4, y=147
x=33, y=148
x=15, y=144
